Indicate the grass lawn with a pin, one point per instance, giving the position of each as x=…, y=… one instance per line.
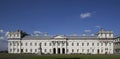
x=77, y=56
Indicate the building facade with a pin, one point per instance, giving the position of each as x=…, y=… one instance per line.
x=117, y=45
x=101, y=43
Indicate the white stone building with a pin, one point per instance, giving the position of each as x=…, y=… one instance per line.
x=101, y=43
x=117, y=45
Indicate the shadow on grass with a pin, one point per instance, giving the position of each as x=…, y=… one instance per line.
x=68, y=58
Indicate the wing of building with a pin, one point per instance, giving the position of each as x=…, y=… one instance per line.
x=100, y=43
x=117, y=45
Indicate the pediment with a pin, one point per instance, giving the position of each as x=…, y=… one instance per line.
x=59, y=37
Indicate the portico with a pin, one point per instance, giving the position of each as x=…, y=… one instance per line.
x=59, y=47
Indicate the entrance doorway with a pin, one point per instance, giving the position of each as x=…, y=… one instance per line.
x=63, y=50
x=54, y=51
x=98, y=51
x=21, y=50
x=58, y=50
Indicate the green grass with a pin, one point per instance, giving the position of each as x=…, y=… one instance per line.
x=32, y=56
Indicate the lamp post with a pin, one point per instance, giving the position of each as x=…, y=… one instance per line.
x=40, y=50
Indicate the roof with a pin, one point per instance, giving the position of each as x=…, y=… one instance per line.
x=59, y=37
x=36, y=37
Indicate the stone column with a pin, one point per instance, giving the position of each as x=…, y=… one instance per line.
x=65, y=46
x=61, y=49
x=52, y=44
x=56, y=48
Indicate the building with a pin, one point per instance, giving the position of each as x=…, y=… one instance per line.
x=100, y=43
x=117, y=45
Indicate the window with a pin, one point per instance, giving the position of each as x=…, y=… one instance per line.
x=17, y=50
x=21, y=44
x=101, y=50
x=101, y=44
x=105, y=35
x=14, y=35
x=35, y=50
x=88, y=50
x=109, y=44
x=110, y=35
x=77, y=44
x=82, y=50
x=40, y=44
x=30, y=50
x=72, y=50
x=10, y=43
x=87, y=44
x=92, y=50
x=50, y=44
x=53, y=44
x=13, y=49
x=101, y=34
x=72, y=44
x=45, y=44
x=77, y=50
x=17, y=44
x=97, y=44
x=13, y=43
x=26, y=43
x=30, y=44
x=35, y=44
x=26, y=50
x=82, y=44
x=63, y=44
x=45, y=50
x=67, y=44
x=105, y=44
x=92, y=44
x=10, y=50
x=106, y=48
x=50, y=50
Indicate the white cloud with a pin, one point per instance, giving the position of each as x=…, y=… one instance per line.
x=85, y=15
x=1, y=31
x=1, y=38
x=37, y=33
x=88, y=31
x=98, y=26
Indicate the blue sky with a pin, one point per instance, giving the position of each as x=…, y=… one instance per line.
x=60, y=16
